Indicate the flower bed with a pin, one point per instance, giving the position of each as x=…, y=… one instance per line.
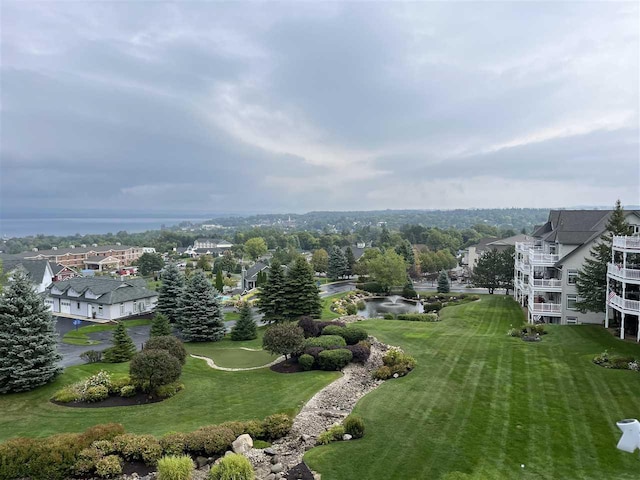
x=350, y=303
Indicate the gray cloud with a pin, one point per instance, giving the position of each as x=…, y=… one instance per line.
x=205, y=107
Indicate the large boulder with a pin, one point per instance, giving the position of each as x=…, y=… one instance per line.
x=242, y=444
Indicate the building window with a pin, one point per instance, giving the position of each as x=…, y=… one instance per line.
x=572, y=320
x=78, y=305
x=571, y=302
x=122, y=309
x=572, y=275
x=147, y=301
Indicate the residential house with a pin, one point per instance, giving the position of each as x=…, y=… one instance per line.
x=474, y=252
x=546, y=267
x=38, y=271
x=250, y=276
x=623, y=285
x=99, y=298
x=60, y=272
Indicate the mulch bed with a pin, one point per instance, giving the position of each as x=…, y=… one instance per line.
x=115, y=401
x=287, y=366
x=300, y=472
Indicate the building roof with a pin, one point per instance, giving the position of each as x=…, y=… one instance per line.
x=509, y=241
x=357, y=252
x=34, y=268
x=63, y=251
x=109, y=291
x=254, y=269
x=98, y=259
x=481, y=246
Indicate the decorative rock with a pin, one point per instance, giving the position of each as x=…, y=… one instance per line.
x=227, y=453
x=242, y=444
x=277, y=468
x=395, y=375
x=201, y=461
x=305, y=437
x=271, y=476
x=269, y=451
x=275, y=459
x=346, y=436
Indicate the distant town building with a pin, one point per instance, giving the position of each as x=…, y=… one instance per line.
x=84, y=257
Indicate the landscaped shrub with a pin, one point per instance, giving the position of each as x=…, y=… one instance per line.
x=104, y=431
x=169, y=343
x=396, y=363
x=66, y=395
x=309, y=326
x=138, y=447
x=373, y=287
x=96, y=394
x=151, y=368
x=389, y=316
x=276, y=426
x=333, y=330
x=382, y=373
x=514, y=332
x=232, y=467
x=351, y=309
x=353, y=335
x=86, y=461
x=210, y=440
x=173, y=443
x=128, y=391
x=175, y=467
x=169, y=390
x=361, y=304
x=418, y=317
x=117, y=383
x=105, y=447
x=306, y=361
x=538, y=328
x=432, y=306
x=109, y=466
x=325, y=341
x=354, y=426
x=360, y=352
x=334, y=434
x=334, y=359
x=91, y=356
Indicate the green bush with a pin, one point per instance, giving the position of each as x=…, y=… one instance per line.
x=109, y=466
x=418, y=317
x=91, y=356
x=325, y=341
x=334, y=359
x=105, y=447
x=382, y=373
x=151, y=368
x=333, y=330
x=334, y=434
x=361, y=351
x=209, y=440
x=169, y=390
x=352, y=309
x=372, y=287
x=361, y=304
x=432, y=307
x=354, y=426
x=232, y=467
x=306, y=361
x=128, y=391
x=96, y=394
x=138, y=447
x=175, y=468
x=86, y=462
x=170, y=344
x=173, y=443
x=276, y=426
x=117, y=383
x=389, y=316
x=66, y=395
x=104, y=431
x=353, y=335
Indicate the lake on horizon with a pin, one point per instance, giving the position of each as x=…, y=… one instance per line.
x=22, y=227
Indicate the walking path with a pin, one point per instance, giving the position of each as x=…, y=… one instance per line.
x=212, y=364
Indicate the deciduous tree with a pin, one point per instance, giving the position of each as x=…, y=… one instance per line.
x=388, y=269
x=320, y=260
x=255, y=247
x=283, y=339
x=149, y=263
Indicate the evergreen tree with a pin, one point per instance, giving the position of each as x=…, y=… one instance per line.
x=200, y=315
x=351, y=261
x=301, y=294
x=486, y=274
x=591, y=282
x=338, y=265
x=245, y=328
x=219, y=281
x=271, y=295
x=385, y=237
x=443, y=282
x=28, y=356
x=160, y=326
x=123, y=348
x=406, y=251
x=170, y=293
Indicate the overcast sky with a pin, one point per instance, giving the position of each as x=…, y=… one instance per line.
x=199, y=107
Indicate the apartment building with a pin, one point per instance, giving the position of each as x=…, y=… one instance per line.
x=546, y=267
x=87, y=257
x=623, y=286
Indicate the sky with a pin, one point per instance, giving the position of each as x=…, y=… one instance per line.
x=256, y=107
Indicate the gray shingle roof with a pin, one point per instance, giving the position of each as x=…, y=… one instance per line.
x=253, y=270
x=35, y=268
x=108, y=290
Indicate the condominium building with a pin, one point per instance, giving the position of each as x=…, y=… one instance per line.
x=91, y=257
x=623, y=286
x=546, y=267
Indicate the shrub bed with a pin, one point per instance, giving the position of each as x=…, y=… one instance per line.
x=325, y=341
x=616, y=362
x=334, y=359
x=396, y=363
x=418, y=317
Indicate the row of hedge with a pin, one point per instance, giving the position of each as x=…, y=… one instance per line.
x=413, y=317
x=101, y=450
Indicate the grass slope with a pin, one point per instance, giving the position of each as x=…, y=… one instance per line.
x=481, y=404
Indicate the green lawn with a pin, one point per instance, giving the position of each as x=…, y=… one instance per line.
x=80, y=336
x=482, y=403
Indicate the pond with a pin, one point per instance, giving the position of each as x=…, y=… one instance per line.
x=378, y=306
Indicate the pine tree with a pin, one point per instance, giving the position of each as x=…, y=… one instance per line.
x=160, y=326
x=123, y=348
x=301, y=294
x=271, y=295
x=219, y=281
x=200, y=315
x=591, y=282
x=487, y=273
x=28, y=355
x=170, y=293
x=443, y=282
x=245, y=327
x=338, y=265
x=351, y=261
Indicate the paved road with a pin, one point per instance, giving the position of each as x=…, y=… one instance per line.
x=339, y=287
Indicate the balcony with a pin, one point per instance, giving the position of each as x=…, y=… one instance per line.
x=623, y=305
x=546, y=308
x=623, y=274
x=627, y=243
x=540, y=258
x=524, y=247
x=552, y=285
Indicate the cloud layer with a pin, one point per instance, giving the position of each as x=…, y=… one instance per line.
x=207, y=107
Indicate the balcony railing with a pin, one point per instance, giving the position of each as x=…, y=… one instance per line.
x=623, y=273
x=539, y=283
x=524, y=247
x=536, y=257
x=632, y=306
x=545, y=307
x=628, y=243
